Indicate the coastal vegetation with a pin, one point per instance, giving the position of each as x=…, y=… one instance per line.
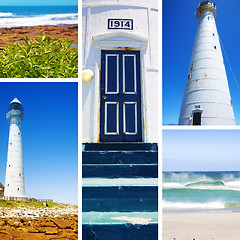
x=43, y=57
x=14, y=204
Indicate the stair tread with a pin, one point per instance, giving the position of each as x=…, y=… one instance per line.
x=140, y=157
x=119, y=170
x=109, y=182
x=119, y=217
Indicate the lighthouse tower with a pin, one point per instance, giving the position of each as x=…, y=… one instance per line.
x=207, y=99
x=14, y=181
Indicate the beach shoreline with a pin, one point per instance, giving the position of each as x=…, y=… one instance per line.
x=11, y=35
x=201, y=225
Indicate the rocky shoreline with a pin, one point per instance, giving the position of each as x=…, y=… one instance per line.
x=25, y=223
x=17, y=34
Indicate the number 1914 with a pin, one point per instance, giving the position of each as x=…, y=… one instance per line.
x=120, y=24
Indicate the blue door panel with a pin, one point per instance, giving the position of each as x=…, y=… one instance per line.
x=111, y=78
x=120, y=104
x=111, y=118
x=130, y=118
x=129, y=74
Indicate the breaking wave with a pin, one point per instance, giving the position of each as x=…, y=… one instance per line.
x=6, y=14
x=201, y=190
x=192, y=205
x=210, y=180
x=206, y=183
x=49, y=19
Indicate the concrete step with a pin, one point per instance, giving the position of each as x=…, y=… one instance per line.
x=119, y=226
x=120, y=199
x=120, y=157
x=120, y=170
x=119, y=146
x=108, y=182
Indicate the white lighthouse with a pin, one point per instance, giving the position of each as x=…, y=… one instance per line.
x=14, y=181
x=207, y=99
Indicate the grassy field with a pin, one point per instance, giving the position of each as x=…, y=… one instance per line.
x=43, y=57
x=14, y=204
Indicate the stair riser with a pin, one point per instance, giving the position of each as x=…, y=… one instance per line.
x=96, y=157
x=120, y=205
x=119, y=146
x=125, y=199
x=120, y=232
x=121, y=191
x=118, y=171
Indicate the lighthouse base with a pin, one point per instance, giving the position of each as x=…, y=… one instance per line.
x=24, y=199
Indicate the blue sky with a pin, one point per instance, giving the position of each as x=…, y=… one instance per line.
x=179, y=29
x=37, y=2
x=50, y=143
x=201, y=150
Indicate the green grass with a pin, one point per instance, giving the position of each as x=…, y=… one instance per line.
x=8, y=204
x=43, y=57
x=40, y=204
x=14, y=204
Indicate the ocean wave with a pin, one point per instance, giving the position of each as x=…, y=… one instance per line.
x=206, y=183
x=202, y=180
x=232, y=205
x=173, y=185
x=184, y=177
x=193, y=205
x=200, y=186
x=50, y=19
x=215, y=185
x=200, y=176
x=6, y=14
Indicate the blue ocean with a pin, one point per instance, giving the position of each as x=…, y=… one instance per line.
x=16, y=16
x=217, y=191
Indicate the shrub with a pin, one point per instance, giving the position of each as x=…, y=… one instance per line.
x=43, y=57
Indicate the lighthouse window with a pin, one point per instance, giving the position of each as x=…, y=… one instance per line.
x=8, y=185
x=215, y=47
x=10, y=143
x=197, y=118
x=20, y=174
x=213, y=34
x=18, y=133
x=18, y=189
x=9, y=165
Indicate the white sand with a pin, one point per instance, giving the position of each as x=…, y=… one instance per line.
x=201, y=225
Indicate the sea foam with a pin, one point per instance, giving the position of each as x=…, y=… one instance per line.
x=192, y=205
x=49, y=19
x=6, y=14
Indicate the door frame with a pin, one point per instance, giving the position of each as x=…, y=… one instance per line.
x=119, y=41
x=196, y=110
x=122, y=100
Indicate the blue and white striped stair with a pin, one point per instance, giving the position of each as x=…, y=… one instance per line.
x=120, y=191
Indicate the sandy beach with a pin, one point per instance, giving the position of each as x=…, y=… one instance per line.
x=201, y=225
x=17, y=34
